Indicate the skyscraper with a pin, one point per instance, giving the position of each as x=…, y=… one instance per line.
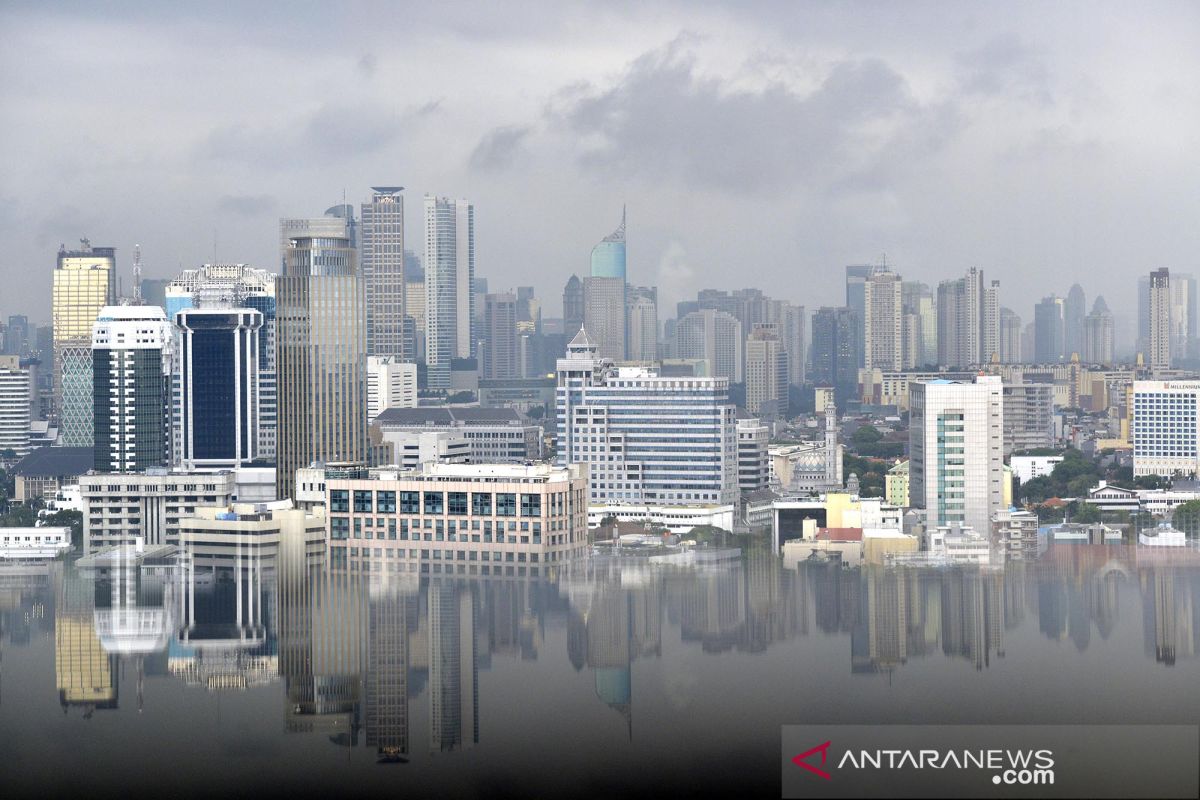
x=919, y=327
x=766, y=372
x=84, y=283
x=132, y=362
x=1183, y=316
x=608, y=257
x=795, y=341
x=882, y=301
x=715, y=336
x=604, y=314
x=1048, y=330
x=499, y=354
x=218, y=409
x=1160, y=319
x=381, y=270
x=834, y=348
x=856, y=279
x=1098, y=335
x=337, y=222
x=16, y=336
x=642, y=322
x=1010, y=337
x=573, y=307
x=18, y=402
x=1074, y=312
x=968, y=326
x=956, y=451
x=321, y=334
x=449, y=283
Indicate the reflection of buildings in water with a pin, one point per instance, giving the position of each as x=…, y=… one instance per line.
x=712, y=608
x=27, y=600
x=85, y=673
x=880, y=642
x=453, y=666
x=835, y=596
x=1170, y=622
x=965, y=617
x=392, y=615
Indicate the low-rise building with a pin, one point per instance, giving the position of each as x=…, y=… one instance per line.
x=753, y=463
x=896, y=485
x=487, y=519
x=1026, y=468
x=1015, y=532
x=497, y=435
x=1162, y=536
x=1114, y=498
x=676, y=519
x=1078, y=533
x=959, y=545
x=218, y=536
x=43, y=473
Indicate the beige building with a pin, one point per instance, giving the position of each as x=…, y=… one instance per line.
x=766, y=372
x=458, y=518
x=84, y=282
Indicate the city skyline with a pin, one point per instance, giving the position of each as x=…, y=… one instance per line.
x=999, y=140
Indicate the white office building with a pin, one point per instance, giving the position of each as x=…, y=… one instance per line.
x=18, y=398
x=449, y=278
x=956, y=448
x=1165, y=428
x=646, y=438
x=391, y=383
x=754, y=463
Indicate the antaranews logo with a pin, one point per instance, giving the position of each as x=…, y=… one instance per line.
x=1022, y=767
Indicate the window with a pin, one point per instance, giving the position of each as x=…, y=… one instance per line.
x=339, y=500
x=481, y=504
x=506, y=504
x=434, y=502
x=385, y=502
x=339, y=528
x=410, y=503
x=456, y=503
x=531, y=505
x=362, y=501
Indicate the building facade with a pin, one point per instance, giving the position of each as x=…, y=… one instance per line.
x=715, y=336
x=1160, y=320
x=449, y=281
x=118, y=509
x=18, y=403
x=381, y=267
x=390, y=384
x=1028, y=416
x=1165, y=427
x=766, y=372
x=882, y=298
x=84, y=283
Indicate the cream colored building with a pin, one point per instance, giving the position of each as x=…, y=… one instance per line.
x=84, y=282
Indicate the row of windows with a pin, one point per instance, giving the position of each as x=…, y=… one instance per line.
x=505, y=504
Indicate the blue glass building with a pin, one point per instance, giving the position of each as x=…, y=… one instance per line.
x=608, y=257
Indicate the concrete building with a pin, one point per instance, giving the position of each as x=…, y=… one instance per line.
x=1015, y=533
x=321, y=358
x=795, y=342
x=956, y=451
x=411, y=448
x=642, y=321
x=46, y=470
x=499, y=354
x=1026, y=468
x=1028, y=416
x=133, y=359
x=450, y=326
x=834, y=348
x=896, y=485
x=18, y=403
x=919, y=326
x=1074, y=313
x=647, y=439
x=381, y=270
x=809, y=467
x=1098, y=333
x=390, y=384
x=217, y=410
x=496, y=435
x=119, y=508
x=1010, y=336
x=754, y=466
x=496, y=517
x=248, y=537
x=1049, y=331
x=716, y=337
x=883, y=346
x=1165, y=427
x=84, y=283
x=573, y=307
x=604, y=314
x=766, y=372
x=968, y=327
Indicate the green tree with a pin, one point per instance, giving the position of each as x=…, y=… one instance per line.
x=1079, y=486
x=866, y=434
x=1085, y=512
x=1187, y=518
x=71, y=519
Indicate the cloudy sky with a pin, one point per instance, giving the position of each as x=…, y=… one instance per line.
x=764, y=144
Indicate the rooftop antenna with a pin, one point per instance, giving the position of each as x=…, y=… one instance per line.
x=137, y=274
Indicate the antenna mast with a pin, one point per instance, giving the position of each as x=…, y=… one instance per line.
x=137, y=273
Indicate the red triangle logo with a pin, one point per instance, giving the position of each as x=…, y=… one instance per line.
x=799, y=760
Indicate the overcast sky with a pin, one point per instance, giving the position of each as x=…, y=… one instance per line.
x=761, y=144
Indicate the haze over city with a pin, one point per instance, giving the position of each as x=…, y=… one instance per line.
x=1045, y=144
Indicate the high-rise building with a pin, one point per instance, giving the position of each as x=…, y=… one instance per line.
x=968, y=320
x=1028, y=416
x=132, y=363
x=320, y=358
x=236, y=286
x=766, y=372
x=856, y=301
x=1010, y=337
x=1098, y=335
x=1048, y=330
x=390, y=384
x=608, y=257
x=449, y=285
x=1183, y=316
x=919, y=326
x=1160, y=320
x=754, y=462
x=715, y=336
x=632, y=426
x=604, y=314
x=18, y=403
x=381, y=271
x=834, y=348
x=84, y=283
x=573, y=307
x=499, y=350
x=16, y=336
x=795, y=341
x=338, y=222
x=217, y=409
x=882, y=301
x=1074, y=313
x=956, y=449
x=1165, y=427
x=642, y=322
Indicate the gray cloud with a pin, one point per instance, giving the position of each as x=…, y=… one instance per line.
x=1007, y=64
x=247, y=204
x=498, y=148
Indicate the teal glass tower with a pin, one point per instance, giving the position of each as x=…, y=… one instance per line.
x=608, y=257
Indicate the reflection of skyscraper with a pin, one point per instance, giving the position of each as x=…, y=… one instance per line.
x=387, y=672
x=86, y=675
x=1170, y=622
x=453, y=668
x=885, y=622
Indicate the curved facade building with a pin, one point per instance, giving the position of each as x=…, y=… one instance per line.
x=608, y=257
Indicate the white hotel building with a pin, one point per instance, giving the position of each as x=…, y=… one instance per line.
x=1165, y=428
x=648, y=440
